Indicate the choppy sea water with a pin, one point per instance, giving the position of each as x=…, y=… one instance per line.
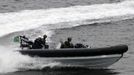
x=97, y=25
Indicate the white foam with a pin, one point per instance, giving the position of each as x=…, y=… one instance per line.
x=10, y=61
x=28, y=19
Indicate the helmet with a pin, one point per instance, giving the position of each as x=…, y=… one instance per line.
x=69, y=38
x=44, y=36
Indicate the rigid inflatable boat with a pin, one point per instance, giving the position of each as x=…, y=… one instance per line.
x=81, y=57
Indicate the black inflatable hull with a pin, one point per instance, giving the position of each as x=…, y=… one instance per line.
x=75, y=52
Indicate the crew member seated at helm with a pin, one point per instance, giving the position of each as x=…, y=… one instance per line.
x=67, y=44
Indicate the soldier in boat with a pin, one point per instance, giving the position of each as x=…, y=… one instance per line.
x=68, y=43
x=39, y=43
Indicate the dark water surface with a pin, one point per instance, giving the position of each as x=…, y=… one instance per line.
x=67, y=71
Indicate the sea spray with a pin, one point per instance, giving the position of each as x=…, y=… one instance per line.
x=10, y=61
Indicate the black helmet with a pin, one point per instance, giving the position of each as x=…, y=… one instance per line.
x=44, y=36
x=69, y=38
